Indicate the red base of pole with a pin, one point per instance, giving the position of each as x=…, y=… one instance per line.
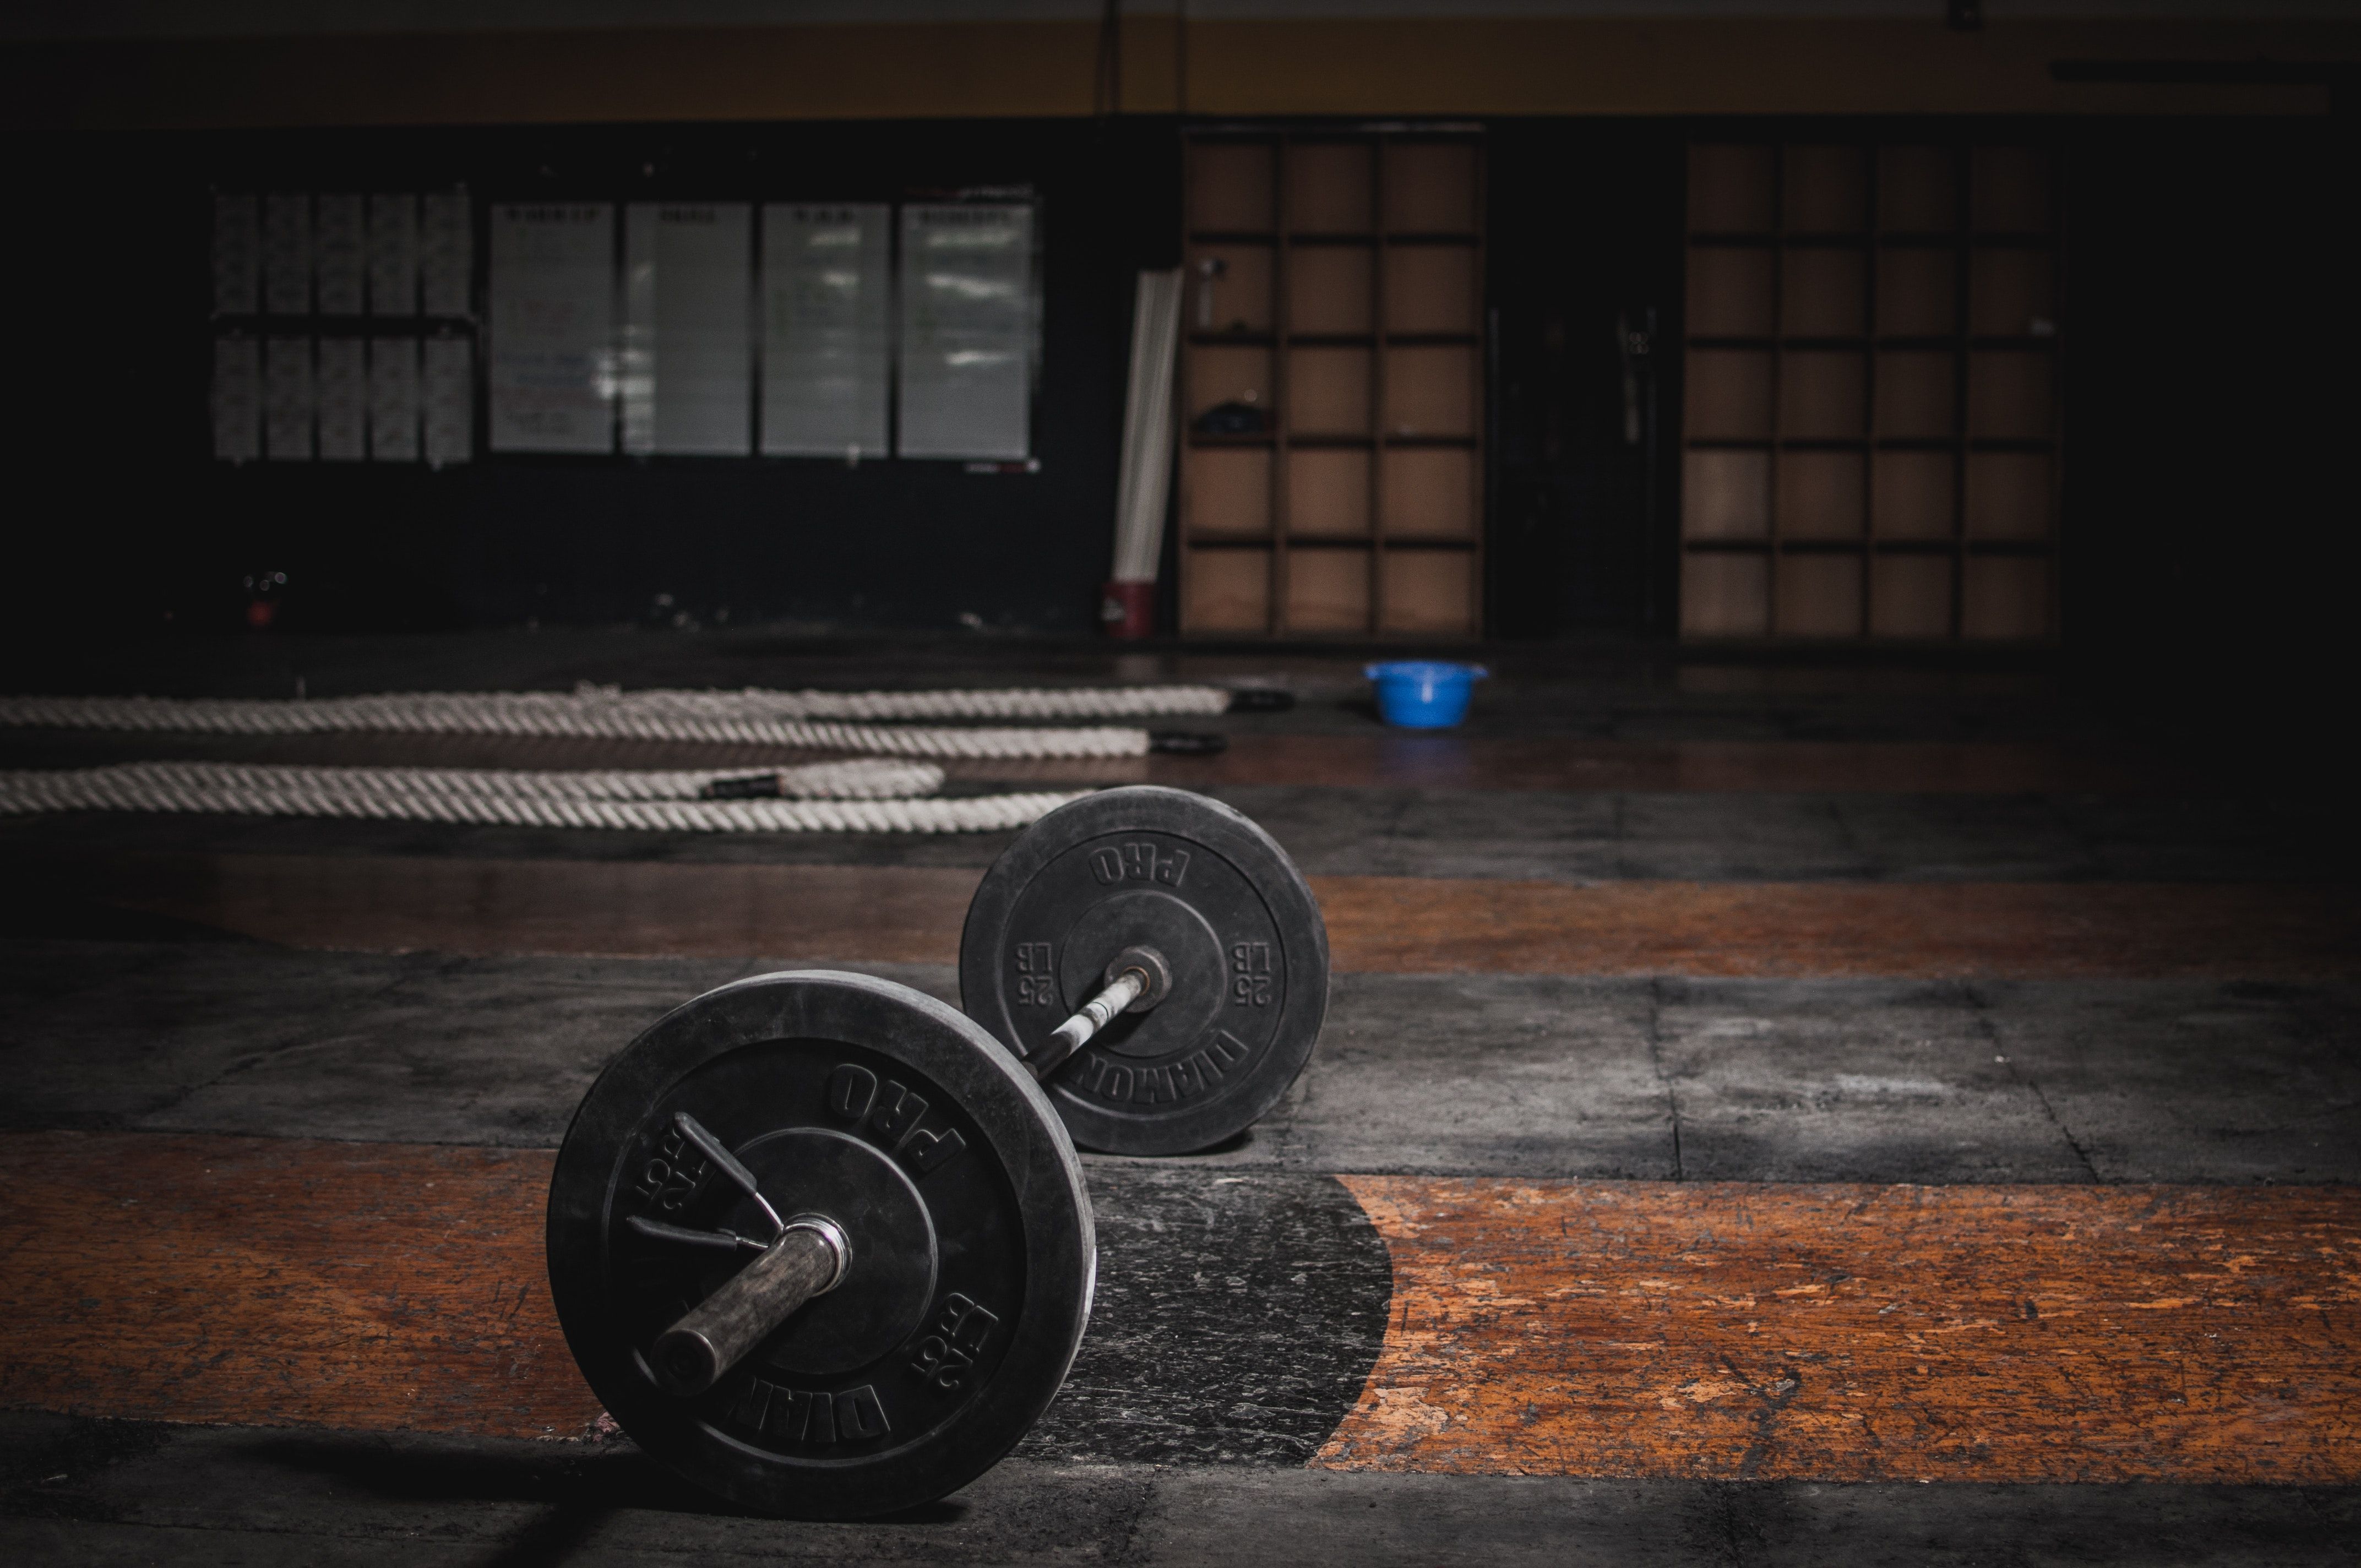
x=1128, y=610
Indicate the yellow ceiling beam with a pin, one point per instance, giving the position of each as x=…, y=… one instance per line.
x=1365, y=68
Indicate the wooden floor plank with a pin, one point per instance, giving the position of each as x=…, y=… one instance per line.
x=1397, y=925
x=1865, y=1333
x=607, y=908
x=1933, y=930
x=273, y=1282
x=1603, y=1329
x=1579, y=762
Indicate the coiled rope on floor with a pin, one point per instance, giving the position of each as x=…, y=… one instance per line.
x=809, y=720
x=837, y=798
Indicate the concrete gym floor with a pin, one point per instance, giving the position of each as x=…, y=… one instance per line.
x=1767, y=1115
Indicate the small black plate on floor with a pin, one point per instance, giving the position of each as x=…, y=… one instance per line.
x=1236, y=923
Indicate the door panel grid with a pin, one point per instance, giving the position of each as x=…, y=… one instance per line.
x=1871, y=414
x=1334, y=335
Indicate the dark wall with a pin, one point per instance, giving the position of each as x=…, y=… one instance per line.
x=2209, y=322
x=2209, y=336
x=2211, y=408
x=118, y=347
x=1585, y=240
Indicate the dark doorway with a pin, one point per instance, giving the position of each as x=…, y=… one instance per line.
x=1586, y=288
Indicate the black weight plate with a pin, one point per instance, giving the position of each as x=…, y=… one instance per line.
x=1236, y=922
x=972, y=1257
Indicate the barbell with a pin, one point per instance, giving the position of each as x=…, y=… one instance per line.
x=821, y=1244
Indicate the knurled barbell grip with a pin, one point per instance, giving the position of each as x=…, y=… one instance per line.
x=808, y=1259
x=1075, y=1031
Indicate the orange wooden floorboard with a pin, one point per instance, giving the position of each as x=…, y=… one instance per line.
x=1574, y=762
x=1865, y=1333
x=1854, y=1332
x=1405, y=924
x=2001, y=930
x=281, y=1282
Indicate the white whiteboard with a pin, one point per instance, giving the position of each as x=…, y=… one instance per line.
x=827, y=324
x=237, y=398
x=448, y=376
x=287, y=255
x=394, y=400
x=687, y=364
x=552, y=337
x=342, y=385
x=447, y=252
x=967, y=331
x=338, y=250
x=393, y=254
x=287, y=399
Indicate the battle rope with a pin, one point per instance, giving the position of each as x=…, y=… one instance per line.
x=803, y=720
x=839, y=798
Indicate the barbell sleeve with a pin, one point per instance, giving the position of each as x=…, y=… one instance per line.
x=806, y=1260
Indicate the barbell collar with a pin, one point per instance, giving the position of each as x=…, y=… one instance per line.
x=1151, y=964
x=718, y=1153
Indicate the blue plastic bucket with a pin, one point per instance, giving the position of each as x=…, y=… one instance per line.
x=1423, y=693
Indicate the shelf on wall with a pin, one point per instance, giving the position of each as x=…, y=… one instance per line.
x=1350, y=302
x=1871, y=413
